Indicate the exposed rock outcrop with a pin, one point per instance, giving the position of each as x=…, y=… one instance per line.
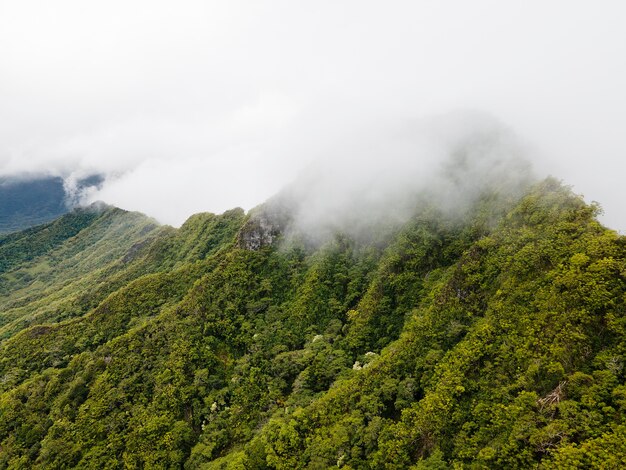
x=266, y=225
x=258, y=232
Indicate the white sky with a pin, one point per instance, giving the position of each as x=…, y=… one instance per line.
x=196, y=105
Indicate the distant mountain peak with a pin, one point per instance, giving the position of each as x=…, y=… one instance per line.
x=29, y=200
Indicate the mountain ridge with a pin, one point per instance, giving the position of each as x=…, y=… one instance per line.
x=495, y=339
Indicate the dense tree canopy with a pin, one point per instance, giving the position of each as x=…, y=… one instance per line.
x=492, y=340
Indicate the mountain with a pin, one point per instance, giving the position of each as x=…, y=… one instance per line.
x=26, y=202
x=489, y=339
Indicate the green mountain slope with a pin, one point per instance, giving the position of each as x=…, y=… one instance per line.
x=491, y=340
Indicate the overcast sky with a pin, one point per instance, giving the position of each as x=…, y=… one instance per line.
x=192, y=106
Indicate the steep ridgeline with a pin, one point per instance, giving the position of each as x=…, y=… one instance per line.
x=64, y=269
x=490, y=340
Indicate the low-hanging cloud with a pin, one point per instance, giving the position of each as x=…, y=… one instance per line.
x=446, y=161
x=207, y=105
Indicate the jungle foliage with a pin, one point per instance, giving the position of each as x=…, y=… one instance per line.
x=492, y=340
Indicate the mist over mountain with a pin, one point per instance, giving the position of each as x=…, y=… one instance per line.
x=288, y=235
x=476, y=323
x=210, y=105
x=448, y=161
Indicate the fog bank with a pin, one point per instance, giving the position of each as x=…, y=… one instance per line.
x=206, y=105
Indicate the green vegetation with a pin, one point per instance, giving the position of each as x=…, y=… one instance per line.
x=492, y=340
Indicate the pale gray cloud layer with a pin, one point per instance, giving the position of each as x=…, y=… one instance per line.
x=198, y=105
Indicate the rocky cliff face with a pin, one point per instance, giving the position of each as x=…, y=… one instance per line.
x=260, y=231
x=267, y=223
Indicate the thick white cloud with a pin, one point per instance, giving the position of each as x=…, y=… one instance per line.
x=199, y=105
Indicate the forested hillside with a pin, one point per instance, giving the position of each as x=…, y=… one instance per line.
x=489, y=339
